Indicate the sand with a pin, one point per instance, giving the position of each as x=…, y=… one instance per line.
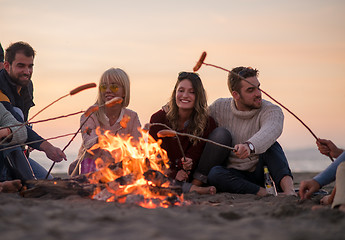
x=221, y=216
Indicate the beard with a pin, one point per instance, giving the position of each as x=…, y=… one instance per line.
x=18, y=81
x=252, y=105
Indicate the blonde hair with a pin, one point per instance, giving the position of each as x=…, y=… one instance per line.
x=112, y=75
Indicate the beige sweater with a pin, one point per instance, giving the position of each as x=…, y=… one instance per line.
x=261, y=127
x=90, y=138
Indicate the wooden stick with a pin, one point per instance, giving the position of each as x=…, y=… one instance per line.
x=36, y=141
x=44, y=120
x=112, y=102
x=74, y=91
x=171, y=133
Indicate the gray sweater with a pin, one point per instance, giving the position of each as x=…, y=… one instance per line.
x=261, y=127
x=7, y=119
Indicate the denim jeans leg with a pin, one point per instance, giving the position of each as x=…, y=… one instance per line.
x=213, y=155
x=231, y=180
x=274, y=158
x=39, y=171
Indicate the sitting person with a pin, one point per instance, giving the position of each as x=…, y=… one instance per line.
x=186, y=112
x=113, y=83
x=1, y=57
x=252, y=125
x=16, y=94
x=335, y=171
x=17, y=135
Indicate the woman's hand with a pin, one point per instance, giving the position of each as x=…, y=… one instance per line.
x=187, y=164
x=181, y=176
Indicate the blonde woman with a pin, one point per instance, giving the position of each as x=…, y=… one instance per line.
x=114, y=82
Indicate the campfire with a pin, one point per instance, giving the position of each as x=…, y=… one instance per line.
x=134, y=172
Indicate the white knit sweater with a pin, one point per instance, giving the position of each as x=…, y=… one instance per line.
x=261, y=127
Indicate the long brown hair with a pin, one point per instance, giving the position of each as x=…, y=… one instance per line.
x=199, y=117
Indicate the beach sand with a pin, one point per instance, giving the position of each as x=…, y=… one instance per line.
x=221, y=216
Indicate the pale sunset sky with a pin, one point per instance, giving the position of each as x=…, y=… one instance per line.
x=298, y=47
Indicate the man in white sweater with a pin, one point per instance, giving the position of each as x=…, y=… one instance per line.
x=252, y=125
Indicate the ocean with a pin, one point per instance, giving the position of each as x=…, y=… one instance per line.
x=300, y=160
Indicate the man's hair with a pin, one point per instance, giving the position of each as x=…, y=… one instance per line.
x=18, y=47
x=234, y=81
x=1, y=54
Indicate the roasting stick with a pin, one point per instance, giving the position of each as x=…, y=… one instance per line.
x=88, y=114
x=41, y=140
x=148, y=125
x=172, y=133
x=74, y=172
x=73, y=92
x=201, y=62
x=45, y=120
x=147, y=128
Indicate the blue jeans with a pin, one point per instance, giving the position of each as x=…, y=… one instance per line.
x=213, y=155
x=236, y=181
x=15, y=165
x=39, y=171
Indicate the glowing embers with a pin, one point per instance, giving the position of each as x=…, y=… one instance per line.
x=133, y=171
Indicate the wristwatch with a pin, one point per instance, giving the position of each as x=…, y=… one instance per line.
x=251, y=147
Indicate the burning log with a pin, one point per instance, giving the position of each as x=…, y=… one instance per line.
x=134, y=172
x=114, y=191
x=56, y=189
x=156, y=177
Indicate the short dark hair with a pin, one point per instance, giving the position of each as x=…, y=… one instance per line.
x=234, y=81
x=1, y=54
x=18, y=47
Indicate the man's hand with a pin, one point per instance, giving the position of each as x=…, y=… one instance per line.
x=53, y=153
x=181, y=176
x=328, y=148
x=242, y=150
x=307, y=188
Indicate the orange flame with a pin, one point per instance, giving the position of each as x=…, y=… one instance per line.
x=125, y=119
x=135, y=172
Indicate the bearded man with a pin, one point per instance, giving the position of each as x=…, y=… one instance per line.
x=252, y=126
x=16, y=94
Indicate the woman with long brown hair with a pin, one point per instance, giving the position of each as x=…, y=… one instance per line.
x=186, y=112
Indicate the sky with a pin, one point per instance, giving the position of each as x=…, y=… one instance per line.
x=297, y=46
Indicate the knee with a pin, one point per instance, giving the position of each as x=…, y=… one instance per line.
x=214, y=173
x=221, y=135
x=341, y=168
